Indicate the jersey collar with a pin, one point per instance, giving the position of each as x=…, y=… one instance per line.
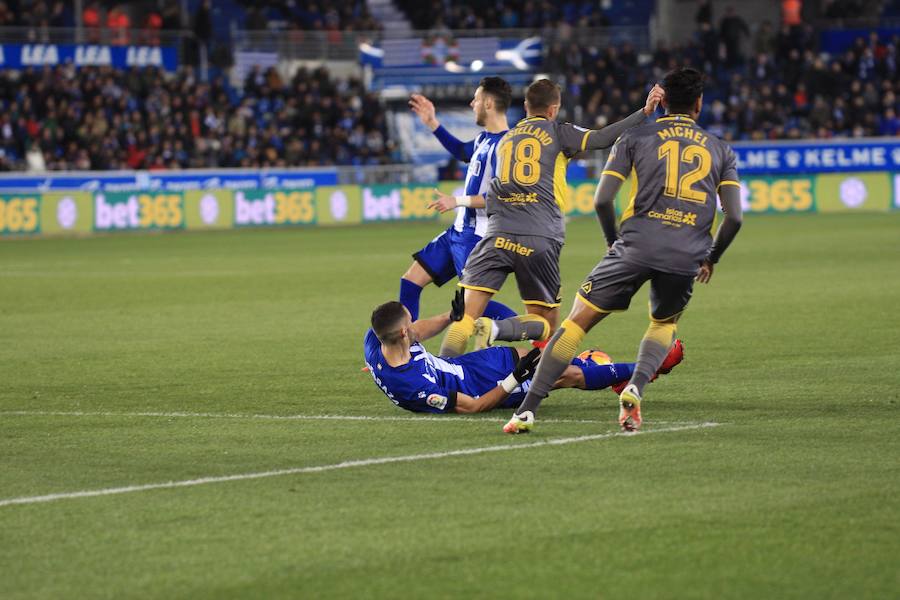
x=677, y=118
x=529, y=119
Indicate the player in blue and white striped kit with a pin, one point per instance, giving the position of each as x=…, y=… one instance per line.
x=445, y=256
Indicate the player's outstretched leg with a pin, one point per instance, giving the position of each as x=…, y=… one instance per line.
x=498, y=311
x=672, y=360
x=457, y=337
x=459, y=332
x=653, y=351
x=411, y=285
x=515, y=329
x=555, y=358
x=410, y=292
x=601, y=376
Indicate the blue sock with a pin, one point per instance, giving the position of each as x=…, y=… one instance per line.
x=597, y=377
x=498, y=311
x=409, y=297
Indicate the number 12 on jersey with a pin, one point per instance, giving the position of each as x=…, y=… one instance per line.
x=681, y=188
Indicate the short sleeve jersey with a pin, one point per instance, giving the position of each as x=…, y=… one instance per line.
x=676, y=169
x=529, y=190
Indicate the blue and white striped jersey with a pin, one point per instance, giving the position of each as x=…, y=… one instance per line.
x=478, y=180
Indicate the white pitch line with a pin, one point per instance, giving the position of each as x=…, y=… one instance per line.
x=368, y=462
x=188, y=415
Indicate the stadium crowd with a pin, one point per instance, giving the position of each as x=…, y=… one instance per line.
x=525, y=14
x=784, y=89
x=102, y=118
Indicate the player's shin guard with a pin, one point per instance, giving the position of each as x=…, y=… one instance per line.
x=556, y=357
x=652, y=352
x=598, y=377
x=498, y=311
x=409, y=297
x=523, y=327
x=457, y=336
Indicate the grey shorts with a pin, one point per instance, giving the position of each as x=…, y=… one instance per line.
x=534, y=260
x=613, y=282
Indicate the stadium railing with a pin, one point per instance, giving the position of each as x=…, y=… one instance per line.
x=100, y=36
x=341, y=45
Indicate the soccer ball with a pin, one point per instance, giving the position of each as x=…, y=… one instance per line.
x=598, y=356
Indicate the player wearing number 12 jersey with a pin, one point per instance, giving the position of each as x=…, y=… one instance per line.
x=526, y=227
x=677, y=169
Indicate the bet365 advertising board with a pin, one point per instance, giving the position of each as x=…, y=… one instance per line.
x=91, y=212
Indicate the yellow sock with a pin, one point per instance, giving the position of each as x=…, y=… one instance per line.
x=661, y=333
x=529, y=318
x=567, y=343
x=652, y=352
x=457, y=337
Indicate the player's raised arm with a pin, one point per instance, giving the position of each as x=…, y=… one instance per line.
x=596, y=139
x=424, y=109
x=524, y=370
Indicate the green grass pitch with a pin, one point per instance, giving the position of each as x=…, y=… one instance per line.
x=120, y=358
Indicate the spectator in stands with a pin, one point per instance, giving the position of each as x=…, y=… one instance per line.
x=203, y=23
x=704, y=14
x=889, y=124
x=153, y=23
x=791, y=11
x=733, y=29
x=7, y=16
x=764, y=39
x=119, y=23
x=171, y=15
x=789, y=94
x=114, y=119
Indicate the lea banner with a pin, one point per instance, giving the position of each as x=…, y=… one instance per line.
x=19, y=56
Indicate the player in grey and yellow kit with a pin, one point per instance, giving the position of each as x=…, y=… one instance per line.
x=677, y=169
x=526, y=227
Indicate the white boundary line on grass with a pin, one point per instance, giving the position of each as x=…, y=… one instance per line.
x=368, y=462
x=174, y=415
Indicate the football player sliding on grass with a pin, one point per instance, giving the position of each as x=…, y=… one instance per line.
x=416, y=380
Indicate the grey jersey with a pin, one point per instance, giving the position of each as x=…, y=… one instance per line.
x=676, y=169
x=528, y=194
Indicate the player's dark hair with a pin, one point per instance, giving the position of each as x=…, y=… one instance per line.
x=541, y=95
x=499, y=90
x=682, y=86
x=385, y=319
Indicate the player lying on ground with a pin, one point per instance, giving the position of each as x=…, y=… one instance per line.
x=664, y=238
x=418, y=381
x=526, y=225
x=444, y=257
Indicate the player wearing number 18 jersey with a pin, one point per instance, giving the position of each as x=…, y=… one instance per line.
x=526, y=228
x=677, y=169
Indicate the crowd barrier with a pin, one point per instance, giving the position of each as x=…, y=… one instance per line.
x=51, y=213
